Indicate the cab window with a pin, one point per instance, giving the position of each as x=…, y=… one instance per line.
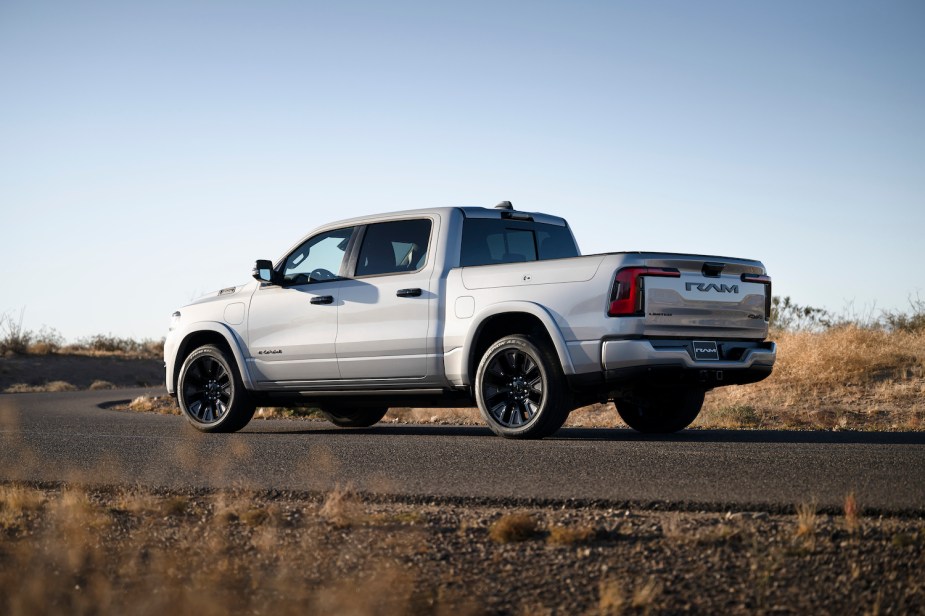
x=319, y=258
x=394, y=247
x=487, y=241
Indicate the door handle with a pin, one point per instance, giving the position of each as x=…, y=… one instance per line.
x=323, y=299
x=408, y=293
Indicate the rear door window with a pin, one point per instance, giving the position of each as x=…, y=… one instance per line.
x=394, y=247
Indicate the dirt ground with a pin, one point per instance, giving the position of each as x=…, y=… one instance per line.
x=80, y=371
x=75, y=550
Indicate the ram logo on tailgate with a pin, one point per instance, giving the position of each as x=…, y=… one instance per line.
x=721, y=288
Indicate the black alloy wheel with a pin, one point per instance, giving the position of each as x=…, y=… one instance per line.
x=520, y=389
x=210, y=391
x=513, y=388
x=207, y=389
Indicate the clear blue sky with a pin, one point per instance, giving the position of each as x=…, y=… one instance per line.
x=150, y=151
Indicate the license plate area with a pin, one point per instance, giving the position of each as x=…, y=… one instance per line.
x=705, y=350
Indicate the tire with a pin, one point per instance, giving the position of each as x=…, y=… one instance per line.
x=520, y=389
x=354, y=418
x=662, y=412
x=210, y=391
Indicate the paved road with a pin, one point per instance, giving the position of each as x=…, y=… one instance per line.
x=54, y=437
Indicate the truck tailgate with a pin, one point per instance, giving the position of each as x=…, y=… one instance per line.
x=712, y=296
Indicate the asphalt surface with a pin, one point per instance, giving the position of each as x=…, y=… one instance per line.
x=69, y=437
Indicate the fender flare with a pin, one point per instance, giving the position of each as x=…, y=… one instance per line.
x=531, y=308
x=232, y=338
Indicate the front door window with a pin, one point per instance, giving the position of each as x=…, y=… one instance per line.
x=318, y=259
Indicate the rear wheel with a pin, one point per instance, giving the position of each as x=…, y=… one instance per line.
x=210, y=391
x=661, y=412
x=520, y=389
x=354, y=418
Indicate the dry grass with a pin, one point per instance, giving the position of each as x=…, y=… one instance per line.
x=447, y=416
x=843, y=378
x=54, y=386
x=130, y=550
x=85, y=552
x=165, y=405
x=852, y=514
x=342, y=508
x=101, y=384
x=570, y=535
x=513, y=527
x=806, y=524
x=612, y=600
x=16, y=503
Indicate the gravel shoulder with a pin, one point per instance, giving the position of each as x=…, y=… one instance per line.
x=127, y=550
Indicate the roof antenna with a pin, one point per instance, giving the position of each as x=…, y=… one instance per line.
x=504, y=205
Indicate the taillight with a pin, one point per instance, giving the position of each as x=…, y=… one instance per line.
x=766, y=281
x=628, y=295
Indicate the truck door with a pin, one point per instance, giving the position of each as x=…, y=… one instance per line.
x=384, y=318
x=292, y=327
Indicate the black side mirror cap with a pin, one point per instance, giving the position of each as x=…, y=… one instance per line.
x=264, y=272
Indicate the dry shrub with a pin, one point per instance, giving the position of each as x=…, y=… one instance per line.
x=513, y=527
x=806, y=524
x=100, y=384
x=16, y=503
x=342, y=508
x=135, y=501
x=165, y=405
x=20, y=498
x=570, y=535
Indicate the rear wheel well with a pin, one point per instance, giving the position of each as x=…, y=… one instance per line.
x=496, y=327
x=193, y=342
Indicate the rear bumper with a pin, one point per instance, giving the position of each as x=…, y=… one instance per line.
x=633, y=363
x=621, y=354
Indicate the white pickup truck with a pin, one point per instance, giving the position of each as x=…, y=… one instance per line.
x=450, y=306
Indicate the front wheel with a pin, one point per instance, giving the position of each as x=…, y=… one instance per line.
x=210, y=391
x=660, y=412
x=354, y=418
x=520, y=389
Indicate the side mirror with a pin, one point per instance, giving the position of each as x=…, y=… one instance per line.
x=263, y=271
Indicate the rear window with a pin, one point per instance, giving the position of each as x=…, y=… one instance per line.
x=487, y=241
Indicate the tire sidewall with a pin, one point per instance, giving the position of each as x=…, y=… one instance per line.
x=524, y=345
x=231, y=416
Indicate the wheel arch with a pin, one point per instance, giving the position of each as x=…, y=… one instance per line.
x=510, y=318
x=209, y=332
